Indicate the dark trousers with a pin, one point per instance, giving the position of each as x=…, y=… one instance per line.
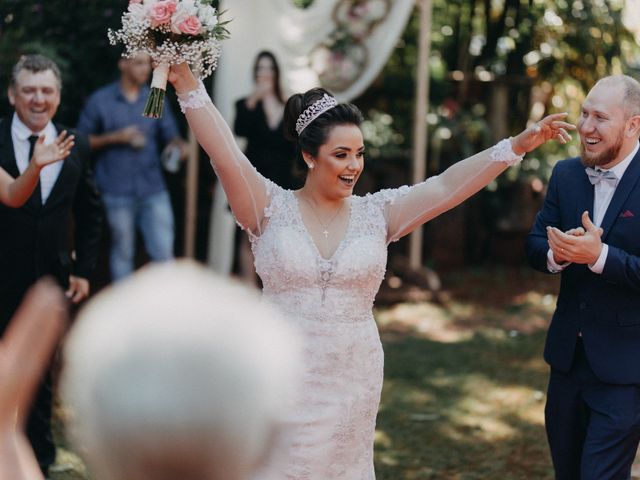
x=593, y=427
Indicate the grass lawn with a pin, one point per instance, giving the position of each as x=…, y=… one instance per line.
x=464, y=382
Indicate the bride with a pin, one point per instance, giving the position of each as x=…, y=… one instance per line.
x=321, y=254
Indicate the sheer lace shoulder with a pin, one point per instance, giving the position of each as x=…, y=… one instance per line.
x=387, y=196
x=275, y=198
x=379, y=205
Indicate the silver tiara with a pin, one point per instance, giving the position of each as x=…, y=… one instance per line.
x=317, y=108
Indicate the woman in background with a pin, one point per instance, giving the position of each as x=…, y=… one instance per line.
x=259, y=119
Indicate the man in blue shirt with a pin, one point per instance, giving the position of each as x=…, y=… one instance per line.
x=128, y=171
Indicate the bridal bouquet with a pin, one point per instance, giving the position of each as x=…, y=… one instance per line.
x=171, y=32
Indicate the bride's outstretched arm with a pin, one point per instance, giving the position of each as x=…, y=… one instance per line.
x=463, y=179
x=246, y=189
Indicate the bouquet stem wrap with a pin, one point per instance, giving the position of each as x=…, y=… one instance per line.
x=155, y=102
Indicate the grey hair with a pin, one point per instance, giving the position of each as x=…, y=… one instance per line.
x=35, y=63
x=631, y=96
x=176, y=373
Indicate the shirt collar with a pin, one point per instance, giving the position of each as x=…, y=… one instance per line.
x=142, y=96
x=621, y=167
x=22, y=132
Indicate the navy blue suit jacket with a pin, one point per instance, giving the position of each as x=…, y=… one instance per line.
x=604, y=307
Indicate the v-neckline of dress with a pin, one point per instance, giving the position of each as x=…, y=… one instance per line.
x=310, y=239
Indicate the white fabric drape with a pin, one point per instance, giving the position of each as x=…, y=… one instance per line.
x=631, y=17
x=291, y=34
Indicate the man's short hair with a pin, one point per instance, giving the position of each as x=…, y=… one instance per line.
x=631, y=95
x=35, y=63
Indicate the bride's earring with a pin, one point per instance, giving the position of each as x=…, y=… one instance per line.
x=310, y=165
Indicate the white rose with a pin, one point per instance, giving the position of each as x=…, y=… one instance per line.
x=207, y=16
x=190, y=5
x=137, y=11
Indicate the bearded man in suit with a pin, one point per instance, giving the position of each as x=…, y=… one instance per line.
x=57, y=231
x=593, y=344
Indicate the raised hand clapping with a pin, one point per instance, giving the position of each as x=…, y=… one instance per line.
x=575, y=246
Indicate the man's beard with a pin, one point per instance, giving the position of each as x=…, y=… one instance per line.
x=603, y=158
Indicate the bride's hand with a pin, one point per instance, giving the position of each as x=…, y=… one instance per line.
x=182, y=79
x=549, y=128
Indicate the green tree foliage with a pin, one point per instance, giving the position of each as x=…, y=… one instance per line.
x=302, y=3
x=74, y=34
x=539, y=55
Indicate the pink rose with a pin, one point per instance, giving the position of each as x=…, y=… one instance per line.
x=161, y=12
x=190, y=25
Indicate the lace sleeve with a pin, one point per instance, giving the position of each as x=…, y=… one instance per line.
x=413, y=206
x=245, y=188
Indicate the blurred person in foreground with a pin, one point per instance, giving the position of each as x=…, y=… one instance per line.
x=589, y=232
x=189, y=383
x=25, y=351
x=127, y=148
x=57, y=231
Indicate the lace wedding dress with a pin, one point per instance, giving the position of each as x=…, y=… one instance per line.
x=330, y=301
x=330, y=430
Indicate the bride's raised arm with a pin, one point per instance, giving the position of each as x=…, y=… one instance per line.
x=436, y=195
x=246, y=189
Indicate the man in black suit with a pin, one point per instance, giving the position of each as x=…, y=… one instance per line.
x=57, y=231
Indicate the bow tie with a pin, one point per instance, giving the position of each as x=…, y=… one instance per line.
x=597, y=176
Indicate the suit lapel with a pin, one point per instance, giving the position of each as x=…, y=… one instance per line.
x=8, y=155
x=8, y=161
x=623, y=190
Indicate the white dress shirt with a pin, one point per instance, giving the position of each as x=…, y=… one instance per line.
x=20, y=134
x=602, y=195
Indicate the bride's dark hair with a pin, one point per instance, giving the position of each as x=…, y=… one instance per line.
x=316, y=133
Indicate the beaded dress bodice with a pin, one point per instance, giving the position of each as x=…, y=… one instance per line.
x=298, y=278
